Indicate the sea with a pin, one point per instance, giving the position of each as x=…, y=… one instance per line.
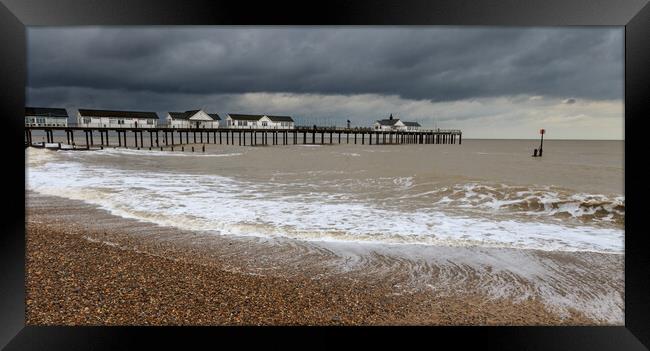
x=482, y=193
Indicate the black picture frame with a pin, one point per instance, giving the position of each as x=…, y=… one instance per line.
x=634, y=15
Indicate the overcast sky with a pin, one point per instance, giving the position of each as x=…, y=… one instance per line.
x=491, y=82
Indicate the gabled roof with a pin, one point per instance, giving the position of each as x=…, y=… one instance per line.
x=119, y=114
x=183, y=115
x=387, y=122
x=190, y=114
x=412, y=124
x=46, y=112
x=280, y=118
x=245, y=117
x=178, y=115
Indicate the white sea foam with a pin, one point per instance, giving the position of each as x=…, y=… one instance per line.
x=534, y=201
x=158, y=153
x=232, y=206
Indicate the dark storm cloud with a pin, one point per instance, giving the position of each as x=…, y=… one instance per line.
x=438, y=64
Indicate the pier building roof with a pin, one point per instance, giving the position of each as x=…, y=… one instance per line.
x=245, y=117
x=189, y=114
x=46, y=112
x=280, y=118
x=118, y=114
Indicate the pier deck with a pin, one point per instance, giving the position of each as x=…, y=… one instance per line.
x=164, y=137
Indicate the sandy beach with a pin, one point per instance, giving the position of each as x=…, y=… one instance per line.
x=80, y=273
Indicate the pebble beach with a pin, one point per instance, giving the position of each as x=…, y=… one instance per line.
x=81, y=274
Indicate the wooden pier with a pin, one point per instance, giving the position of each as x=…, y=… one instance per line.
x=169, y=137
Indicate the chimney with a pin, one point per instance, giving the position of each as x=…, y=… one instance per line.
x=391, y=116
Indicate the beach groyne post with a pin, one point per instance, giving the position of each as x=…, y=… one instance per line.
x=541, y=144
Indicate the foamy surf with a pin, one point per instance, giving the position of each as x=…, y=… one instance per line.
x=237, y=206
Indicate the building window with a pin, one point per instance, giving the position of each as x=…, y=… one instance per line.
x=87, y=120
x=150, y=121
x=264, y=123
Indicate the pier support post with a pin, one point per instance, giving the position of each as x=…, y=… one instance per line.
x=87, y=144
x=355, y=138
x=313, y=137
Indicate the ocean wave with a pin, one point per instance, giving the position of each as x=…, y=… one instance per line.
x=235, y=206
x=535, y=201
x=158, y=153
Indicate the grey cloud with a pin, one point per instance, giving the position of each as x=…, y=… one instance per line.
x=438, y=64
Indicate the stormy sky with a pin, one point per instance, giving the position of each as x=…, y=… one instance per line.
x=491, y=82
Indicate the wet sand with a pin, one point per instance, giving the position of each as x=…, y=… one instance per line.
x=112, y=271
